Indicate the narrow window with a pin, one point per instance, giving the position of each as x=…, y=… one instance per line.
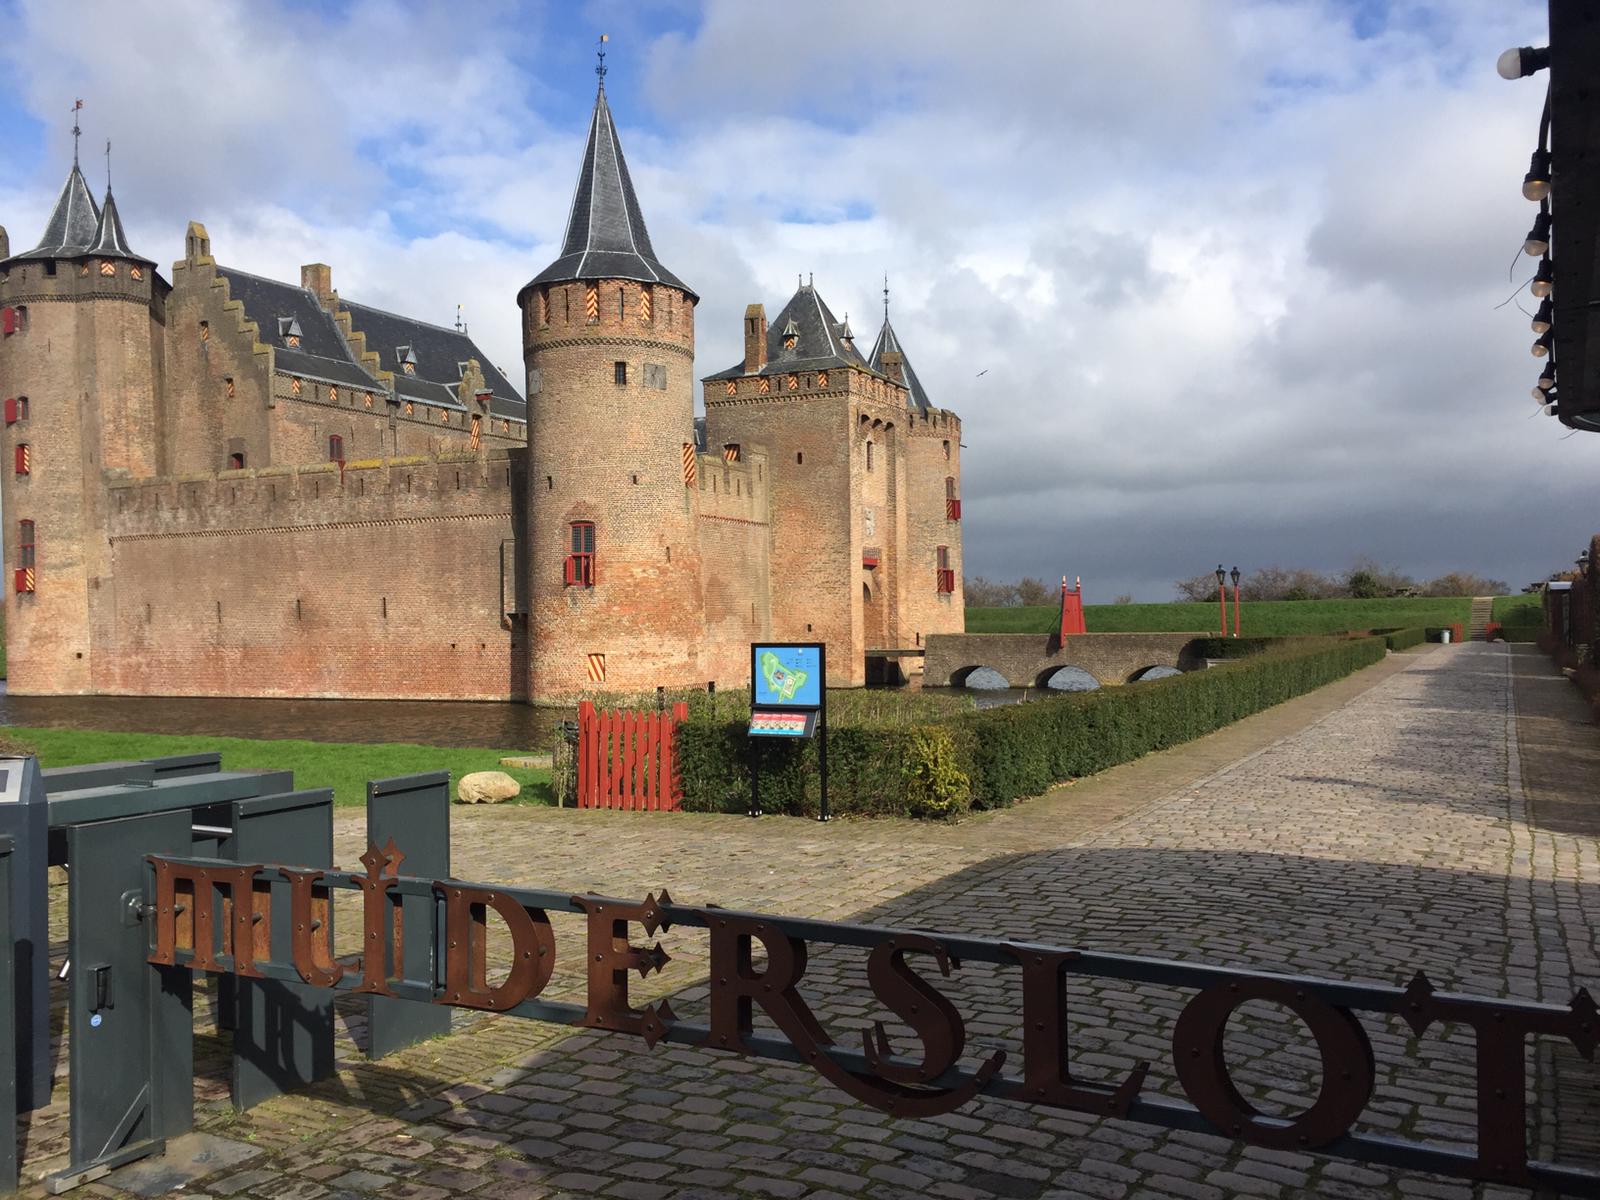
x=947, y=449
x=869, y=456
x=25, y=543
x=22, y=318
x=946, y=577
x=22, y=408
x=24, y=459
x=799, y=458
x=336, y=449
x=205, y=331
x=544, y=306
x=952, y=505
x=227, y=386
x=236, y=461
x=622, y=301
x=50, y=267
x=619, y=372
x=579, y=570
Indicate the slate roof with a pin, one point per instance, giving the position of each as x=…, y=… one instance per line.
x=606, y=236
x=323, y=353
x=820, y=340
x=438, y=354
x=888, y=342
x=109, y=239
x=74, y=222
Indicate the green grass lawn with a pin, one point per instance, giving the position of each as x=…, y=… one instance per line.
x=1518, y=610
x=343, y=767
x=1277, y=618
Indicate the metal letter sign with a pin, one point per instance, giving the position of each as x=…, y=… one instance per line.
x=789, y=699
x=931, y=1072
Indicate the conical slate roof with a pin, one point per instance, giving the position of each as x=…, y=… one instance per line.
x=606, y=236
x=821, y=340
x=74, y=224
x=888, y=343
x=109, y=240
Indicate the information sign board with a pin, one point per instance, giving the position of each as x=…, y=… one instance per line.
x=775, y=722
x=786, y=675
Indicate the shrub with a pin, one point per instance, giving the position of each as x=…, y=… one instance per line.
x=1519, y=633
x=990, y=758
x=1402, y=639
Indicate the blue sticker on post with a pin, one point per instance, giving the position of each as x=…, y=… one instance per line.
x=787, y=676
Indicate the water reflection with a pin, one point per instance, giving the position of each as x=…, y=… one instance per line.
x=452, y=724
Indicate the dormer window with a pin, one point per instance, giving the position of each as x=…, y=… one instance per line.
x=289, y=331
x=407, y=358
x=791, y=335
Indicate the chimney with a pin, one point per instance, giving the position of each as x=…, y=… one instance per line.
x=317, y=278
x=5, y=244
x=892, y=360
x=197, y=242
x=755, y=338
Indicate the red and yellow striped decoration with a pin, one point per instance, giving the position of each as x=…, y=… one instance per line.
x=822, y=379
x=477, y=432
x=597, y=668
x=591, y=302
x=24, y=459
x=366, y=398
x=644, y=304
x=295, y=387
x=26, y=579
x=764, y=386
x=733, y=388
x=108, y=268
x=730, y=452
x=691, y=466
x=793, y=383
x=333, y=394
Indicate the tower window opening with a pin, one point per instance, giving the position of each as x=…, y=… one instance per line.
x=205, y=331
x=947, y=449
x=579, y=567
x=544, y=306
x=16, y=409
x=799, y=457
x=336, y=449
x=24, y=459
x=236, y=461
x=22, y=318
x=619, y=372
x=622, y=301
x=25, y=543
x=869, y=456
x=49, y=267
x=946, y=581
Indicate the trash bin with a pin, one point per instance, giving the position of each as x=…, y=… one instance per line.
x=1444, y=636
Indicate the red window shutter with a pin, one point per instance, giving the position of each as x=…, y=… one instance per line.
x=23, y=458
x=22, y=579
x=8, y=321
x=569, y=570
x=11, y=410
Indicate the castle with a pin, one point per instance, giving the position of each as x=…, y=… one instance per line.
x=232, y=486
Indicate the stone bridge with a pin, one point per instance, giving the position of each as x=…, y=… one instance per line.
x=1029, y=659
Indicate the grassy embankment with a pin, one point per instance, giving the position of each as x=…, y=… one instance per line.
x=1518, y=610
x=1276, y=618
x=343, y=767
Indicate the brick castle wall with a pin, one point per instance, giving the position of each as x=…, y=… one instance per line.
x=284, y=582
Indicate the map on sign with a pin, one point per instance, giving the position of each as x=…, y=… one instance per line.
x=786, y=675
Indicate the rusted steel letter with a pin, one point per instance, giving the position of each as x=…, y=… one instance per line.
x=311, y=914
x=533, y=948
x=383, y=870
x=1501, y=1036
x=919, y=1004
x=611, y=957
x=1199, y=1056
x=1046, y=1051
x=184, y=919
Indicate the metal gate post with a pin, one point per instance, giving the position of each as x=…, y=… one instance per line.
x=130, y=1025
x=415, y=812
x=282, y=1031
x=25, y=818
x=8, y=1023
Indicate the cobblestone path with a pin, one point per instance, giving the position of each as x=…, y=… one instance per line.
x=1390, y=822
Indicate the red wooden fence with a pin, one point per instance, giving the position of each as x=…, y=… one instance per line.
x=626, y=759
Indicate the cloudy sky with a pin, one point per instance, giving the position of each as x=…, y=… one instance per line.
x=1204, y=280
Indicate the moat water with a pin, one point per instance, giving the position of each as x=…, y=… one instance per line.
x=452, y=724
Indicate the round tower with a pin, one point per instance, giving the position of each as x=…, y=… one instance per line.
x=80, y=360
x=613, y=565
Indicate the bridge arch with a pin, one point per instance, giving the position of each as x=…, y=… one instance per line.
x=1155, y=671
x=979, y=678
x=1067, y=679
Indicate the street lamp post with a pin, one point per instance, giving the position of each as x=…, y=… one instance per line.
x=1222, y=597
x=1235, y=574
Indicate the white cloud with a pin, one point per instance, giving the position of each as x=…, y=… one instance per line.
x=1229, y=269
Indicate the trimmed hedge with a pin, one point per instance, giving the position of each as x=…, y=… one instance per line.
x=990, y=758
x=1402, y=639
x=1517, y=633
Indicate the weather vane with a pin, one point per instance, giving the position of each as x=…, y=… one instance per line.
x=886, y=296
x=108, y=164
x=76, y=132
x=600, y=68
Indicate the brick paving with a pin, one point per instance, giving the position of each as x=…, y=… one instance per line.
x=1403, y=818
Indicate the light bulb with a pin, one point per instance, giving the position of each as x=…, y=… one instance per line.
x=1536, y=183
x=1543, y=280
x=1542, y=346
x=1547, y=380
x=1542, y=318
x=1538, y=239
x=1520, y=61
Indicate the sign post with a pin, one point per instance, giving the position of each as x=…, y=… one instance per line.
x=789, y=698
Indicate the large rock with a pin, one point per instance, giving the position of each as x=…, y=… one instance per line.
x=486, y=787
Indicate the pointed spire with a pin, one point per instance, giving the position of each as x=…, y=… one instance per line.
x=606, y=235
x=74, y=222
x=109, y=240
x=889, y=343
